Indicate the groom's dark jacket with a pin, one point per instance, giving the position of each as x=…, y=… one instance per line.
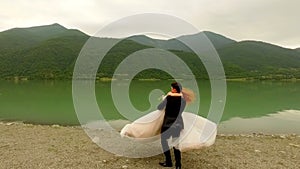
x=174, y=106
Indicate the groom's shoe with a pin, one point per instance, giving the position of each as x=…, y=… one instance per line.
x=168, y=159
x=165, y=164
x=177, y=154
x=178, y=166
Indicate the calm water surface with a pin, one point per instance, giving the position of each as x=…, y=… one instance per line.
x=271, y=107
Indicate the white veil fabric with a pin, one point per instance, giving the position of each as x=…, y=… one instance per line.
x=198, y=132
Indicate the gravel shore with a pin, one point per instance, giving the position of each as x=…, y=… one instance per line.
x=42, y=146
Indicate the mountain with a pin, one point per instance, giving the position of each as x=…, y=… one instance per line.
x=145, y=40
x=240, y=59
x=50, y=52
x=22, y=38
x=257, y=58
x=218, y=41
x=253, y=55
x=172, y=44
x=39, y=52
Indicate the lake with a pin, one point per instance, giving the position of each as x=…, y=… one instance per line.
x=267, y=106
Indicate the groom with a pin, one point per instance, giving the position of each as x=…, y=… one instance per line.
x=174, y=105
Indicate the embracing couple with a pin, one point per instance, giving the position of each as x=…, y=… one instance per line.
x=174, y=104
x=197, y=132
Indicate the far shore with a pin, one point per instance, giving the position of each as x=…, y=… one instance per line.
x=31, y=146
x=106, y=79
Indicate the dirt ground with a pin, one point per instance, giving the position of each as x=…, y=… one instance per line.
x=42, y=146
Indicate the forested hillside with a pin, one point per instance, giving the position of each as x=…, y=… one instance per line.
x=50, y=52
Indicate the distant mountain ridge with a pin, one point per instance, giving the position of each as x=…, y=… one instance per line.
x=39, y=52
x=218, y=41
x=27, y=37
x=50, y=51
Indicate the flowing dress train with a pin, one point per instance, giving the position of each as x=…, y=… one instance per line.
x=198, y=132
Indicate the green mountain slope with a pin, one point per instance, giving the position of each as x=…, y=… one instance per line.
x=21, y=38
x=259, y=58
x=51, y=59
x=172, y=44
x=217, y=40
x=50, y=52
x=39, y=52
x=252, y=55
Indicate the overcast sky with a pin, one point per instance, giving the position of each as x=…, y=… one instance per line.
x=273, y=21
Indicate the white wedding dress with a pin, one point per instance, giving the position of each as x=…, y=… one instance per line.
x=198, y=132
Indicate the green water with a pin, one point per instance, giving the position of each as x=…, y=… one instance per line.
x=50, y=102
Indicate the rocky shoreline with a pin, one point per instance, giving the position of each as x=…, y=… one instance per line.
x=53, y=146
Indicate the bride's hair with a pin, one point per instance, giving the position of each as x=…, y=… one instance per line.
x=188, y=95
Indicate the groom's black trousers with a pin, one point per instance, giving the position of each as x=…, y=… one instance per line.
x=166, y=133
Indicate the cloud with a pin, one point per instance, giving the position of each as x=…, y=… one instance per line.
x=273, y=21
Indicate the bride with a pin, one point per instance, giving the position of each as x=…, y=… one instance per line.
x=187, y=130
